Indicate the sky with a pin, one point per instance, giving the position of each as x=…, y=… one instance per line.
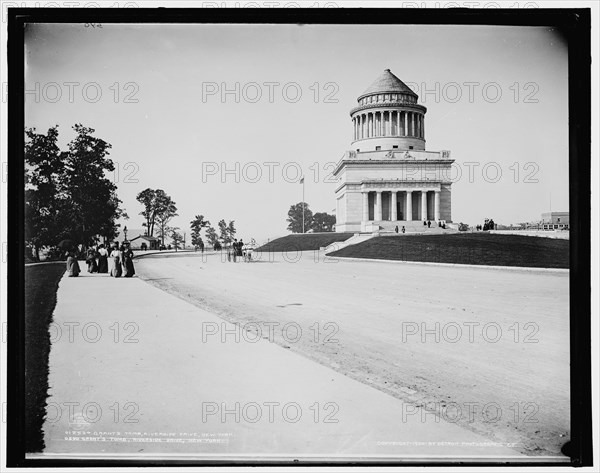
x=226, y=118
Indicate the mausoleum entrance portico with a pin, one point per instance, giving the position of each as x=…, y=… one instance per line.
x=400, y=203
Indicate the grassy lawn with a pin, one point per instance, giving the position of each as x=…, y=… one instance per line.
x=304, y=242
x=469, y=248
x=41, y=284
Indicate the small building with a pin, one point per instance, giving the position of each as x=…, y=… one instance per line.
x=144, y=242
x=555, y=221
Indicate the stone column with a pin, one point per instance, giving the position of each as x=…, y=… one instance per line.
x=378, y=209
x=436, y=206
x=409, y=205
x=388, y=124
x=394, y=205
x=365, y=207
x=423, y=205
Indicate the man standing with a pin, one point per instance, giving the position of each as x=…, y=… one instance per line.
x=234, y=246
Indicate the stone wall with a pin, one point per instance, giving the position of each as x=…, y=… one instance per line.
x=446, y=203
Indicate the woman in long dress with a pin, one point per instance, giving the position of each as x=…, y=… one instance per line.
x=128, y=269
x=91, y=260
x=102, y=259
x=116, y=260
x=72, y=265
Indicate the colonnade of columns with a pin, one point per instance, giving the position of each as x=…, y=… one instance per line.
x=406, y=212
x=388, y=123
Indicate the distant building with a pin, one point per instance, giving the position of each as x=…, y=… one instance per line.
x=387, y=178
x=555, y=221
x=151, y=243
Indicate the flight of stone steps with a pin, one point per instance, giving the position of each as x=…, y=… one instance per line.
x=388, y=229
x=414, y=227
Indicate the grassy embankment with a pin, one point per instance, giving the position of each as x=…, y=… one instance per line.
x=304, y=241
x=41, y=285
x=470, y=248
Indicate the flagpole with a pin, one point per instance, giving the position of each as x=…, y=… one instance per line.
x=303, y=204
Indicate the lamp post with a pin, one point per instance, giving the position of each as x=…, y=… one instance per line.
x=125, y=232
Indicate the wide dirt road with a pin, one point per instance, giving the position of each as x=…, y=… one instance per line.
x=485, y=348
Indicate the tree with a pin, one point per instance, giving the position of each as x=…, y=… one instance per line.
x=197, y=225
x=226, y=231
x=231, y=230
x=159, y=209
x=176, y=238
x=93, y=202
x=45, y=198
x=147, y=199
x=295, y=218
x=212, y=236
x=68, y=194
x=323, y=222
x=164, y=210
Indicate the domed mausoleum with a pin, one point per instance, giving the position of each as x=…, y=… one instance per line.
x=387, y=178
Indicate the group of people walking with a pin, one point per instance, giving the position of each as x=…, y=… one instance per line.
x=118, y=262
x=488, y=224
x=237, y=251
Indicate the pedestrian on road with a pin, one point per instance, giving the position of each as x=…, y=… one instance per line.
x=91, y=260
x=128, y=269
x=102, y=259
x=115, y=256
x=73, y=269
x=396, y=229
x=234, y=246
x=403, y=229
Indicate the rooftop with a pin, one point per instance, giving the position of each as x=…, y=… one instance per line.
x=388, y=83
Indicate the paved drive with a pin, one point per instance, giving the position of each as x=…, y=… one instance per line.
x=130, y=373
x=487, y=348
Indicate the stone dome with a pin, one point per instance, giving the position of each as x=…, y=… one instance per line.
x=388, y=83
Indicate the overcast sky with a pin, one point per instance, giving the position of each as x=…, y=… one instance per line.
x=292, y=88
